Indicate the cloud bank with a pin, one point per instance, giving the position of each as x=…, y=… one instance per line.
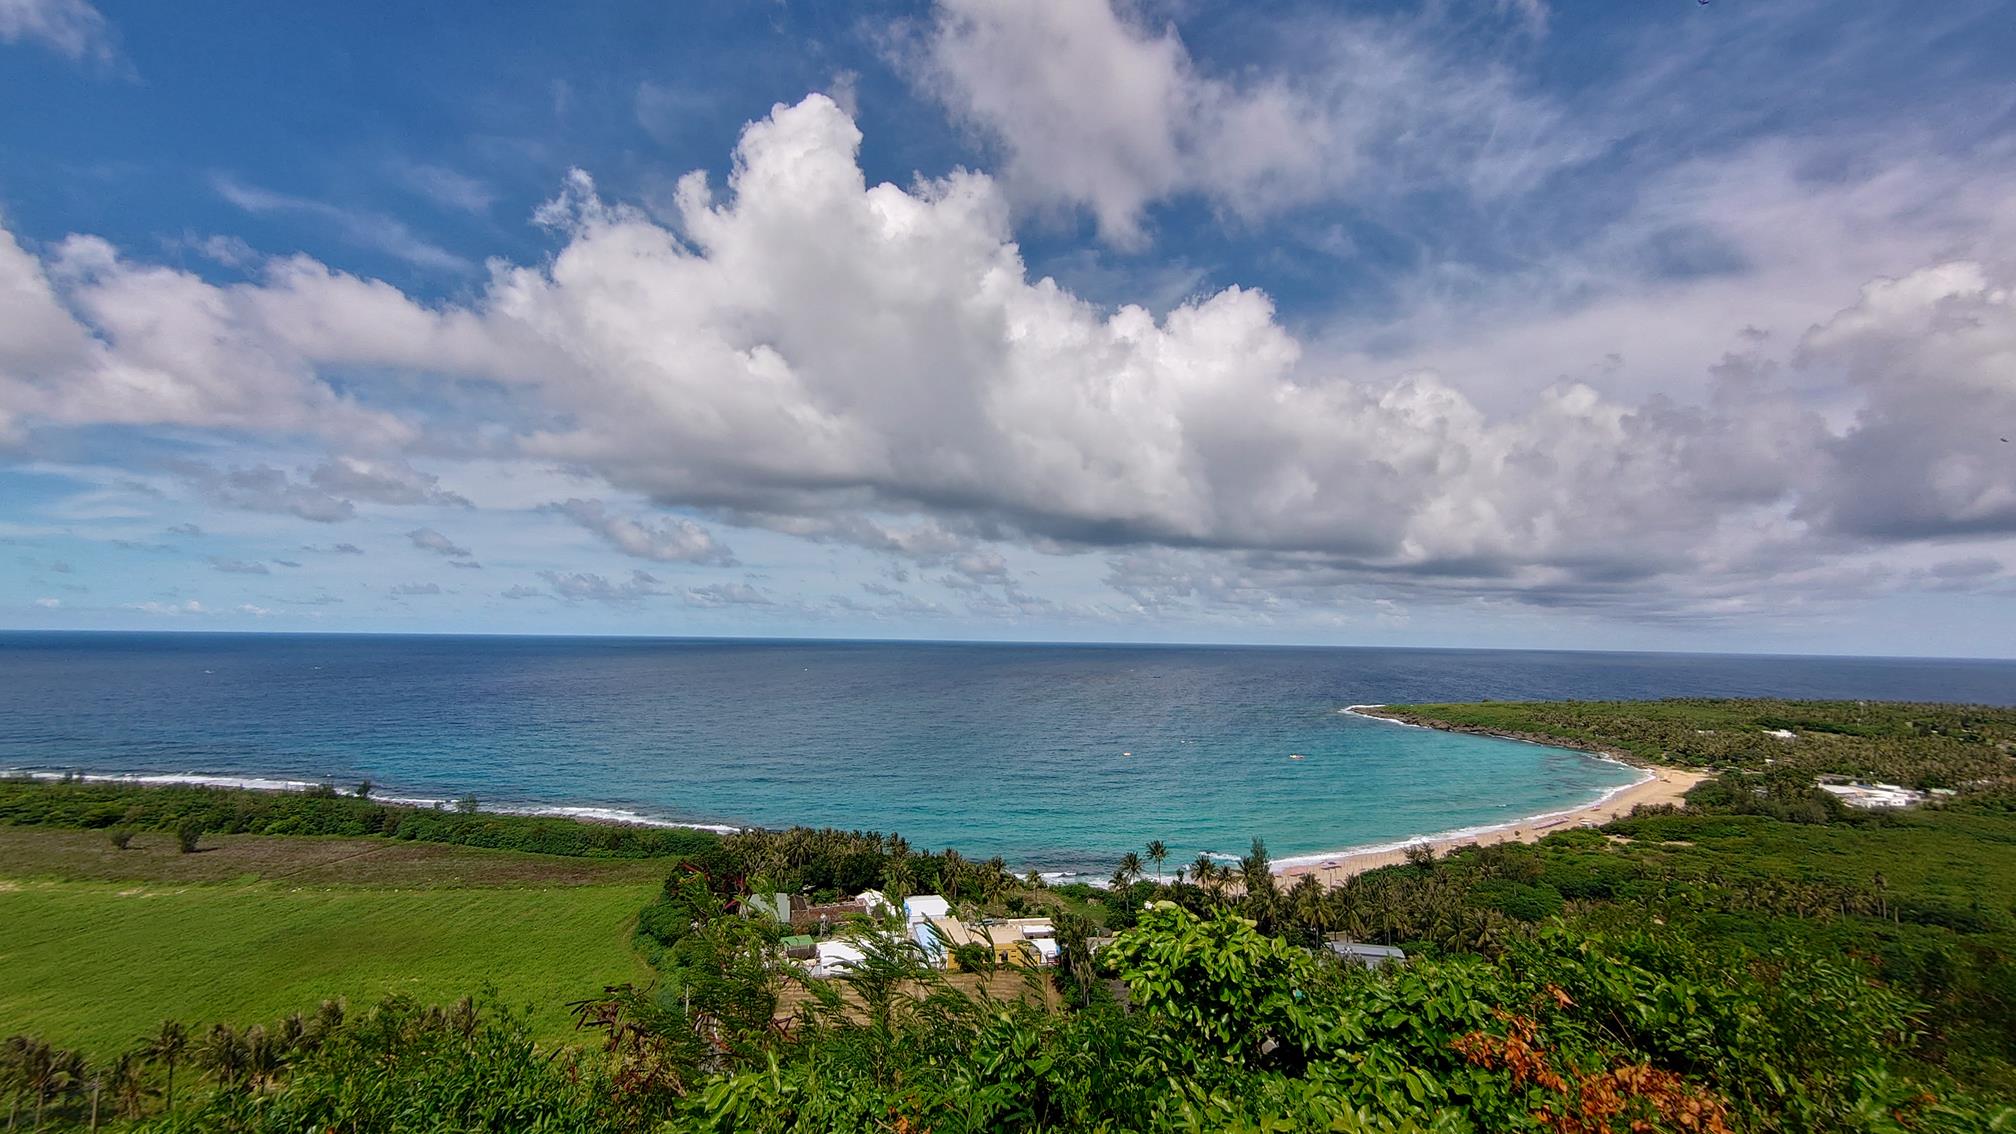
x=873, y=365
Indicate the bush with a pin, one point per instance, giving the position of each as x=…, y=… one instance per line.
x=188, y=835
x=121, y=837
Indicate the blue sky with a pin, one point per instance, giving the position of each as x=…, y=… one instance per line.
x=1664, y=325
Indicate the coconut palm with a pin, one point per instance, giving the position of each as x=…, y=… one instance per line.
x=1203, y=867
x=1157, y=854
x=1131, y=865
x=223, y=1054
x=167, y=1047
x=128, y=1085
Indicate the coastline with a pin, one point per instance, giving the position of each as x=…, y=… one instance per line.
x=1658, y=785
x=612, y=816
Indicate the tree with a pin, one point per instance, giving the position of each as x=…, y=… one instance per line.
x=466, y=805
x=1157, y=854
x=365, y=788
x=128, y=1086
x=188, y=835
x=166, y=1047
x=1130, y=866
x=121, y=838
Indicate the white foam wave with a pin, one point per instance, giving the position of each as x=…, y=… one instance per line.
x=262, y=783
x=1463, y=834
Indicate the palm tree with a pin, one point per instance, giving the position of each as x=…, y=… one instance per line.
x=224, y=1054
x=166, y=1047
x=1131, y=865
x=1157, y=854
x=1202, y=867
x=129, y=1087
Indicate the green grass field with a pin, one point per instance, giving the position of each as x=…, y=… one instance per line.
x=98, y=946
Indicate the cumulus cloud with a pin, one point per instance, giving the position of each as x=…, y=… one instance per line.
x=873, y=365
x=727, y=594
x=667, y=540
x=382, y=481
x=427, y=539
x=1096, y=108
x=263, y=488
x=588, y=585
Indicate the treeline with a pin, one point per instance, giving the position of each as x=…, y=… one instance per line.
x=397, y=1066
x=186, y=809
x=828, y=864
x=1923, y=746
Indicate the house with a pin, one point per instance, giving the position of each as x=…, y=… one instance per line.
x=1868, y=795
x=921, y=906
x=1369, y=956
x=774, y=906
x=834, y=956
x=1022, y=941
x=799, y=947
x=1028, y=941
x=805, y=916
x=876, y=903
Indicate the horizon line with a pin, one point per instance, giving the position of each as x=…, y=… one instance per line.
x=759, y=639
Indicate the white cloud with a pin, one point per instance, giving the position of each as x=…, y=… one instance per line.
x=263, y=488
x=391, y=481
x=727, y=594
x=363, y=228
x=872, y=365
x=1095, y=108
x=588, y=585
x=72, y=28
x=447, y=187
x=49, y=603
x=668, y=540
x=169, y=609
x=427, y=539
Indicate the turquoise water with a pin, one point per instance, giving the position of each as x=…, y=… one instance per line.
x=1012, y=750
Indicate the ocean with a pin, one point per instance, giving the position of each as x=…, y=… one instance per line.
x=1057, y=758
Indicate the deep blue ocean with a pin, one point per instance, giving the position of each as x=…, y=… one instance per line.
x=1055, y=757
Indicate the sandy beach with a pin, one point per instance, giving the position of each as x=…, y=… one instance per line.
x=1665, y=785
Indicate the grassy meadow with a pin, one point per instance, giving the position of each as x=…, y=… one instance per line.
x=101, y=944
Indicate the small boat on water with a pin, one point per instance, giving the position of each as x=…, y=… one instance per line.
x=1295, y=756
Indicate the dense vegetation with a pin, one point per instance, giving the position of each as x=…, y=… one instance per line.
x=1917, y=745
x=1761, y=959
x=207, y=810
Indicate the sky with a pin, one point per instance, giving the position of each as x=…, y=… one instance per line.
x=1535, y=324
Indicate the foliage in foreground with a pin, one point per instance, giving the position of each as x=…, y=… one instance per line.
x=1227, y=1029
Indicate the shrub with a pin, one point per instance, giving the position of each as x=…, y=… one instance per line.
x=188, y=835
x=121, y=836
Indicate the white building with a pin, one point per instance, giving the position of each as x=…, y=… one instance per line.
x=834, y=957
x=1875, y=795
x=924, y=907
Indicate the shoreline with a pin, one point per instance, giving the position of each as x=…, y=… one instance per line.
x=1655, y=785
x=1658, y=785
x=611, y=816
